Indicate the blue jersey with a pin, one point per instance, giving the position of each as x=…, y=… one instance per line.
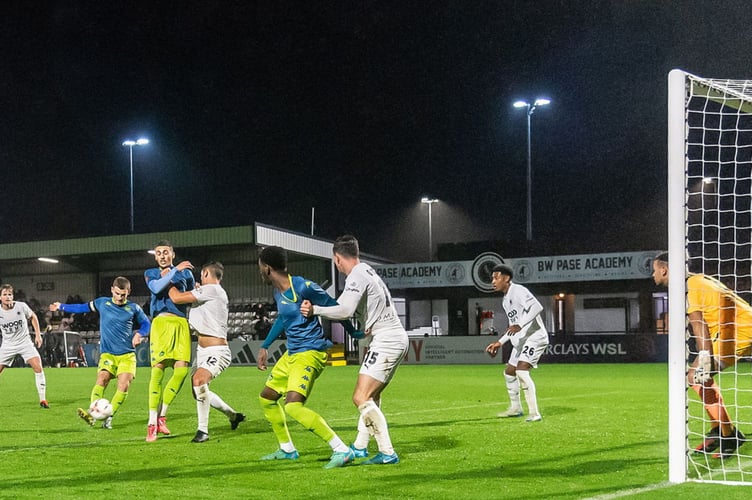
x=160, y=285
x=116, y=323
x=303, y=334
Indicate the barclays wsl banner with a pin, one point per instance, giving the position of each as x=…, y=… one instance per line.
x=477, y=273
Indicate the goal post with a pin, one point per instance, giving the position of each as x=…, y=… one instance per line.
x=709, y=232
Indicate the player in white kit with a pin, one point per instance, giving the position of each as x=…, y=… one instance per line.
x=367, y=299
x=14, y=323
x=208, y=317
x=529, y=339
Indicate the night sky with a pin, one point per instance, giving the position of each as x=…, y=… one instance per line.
x=259, y=111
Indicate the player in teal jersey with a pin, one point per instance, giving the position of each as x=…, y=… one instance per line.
x=170, y=338
x=118, y=318
x=294, y=374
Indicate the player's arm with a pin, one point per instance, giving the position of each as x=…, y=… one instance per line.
x=73, y=308
x=144, y=327
x=494, y=347
x=37, y=332
x=263, y=353
x=157, y=285
x=316, y=296
x=701, y=369
x=531, y=308
x=700, y=331
x=184, y=277
x=343, y=308
x=179, y=297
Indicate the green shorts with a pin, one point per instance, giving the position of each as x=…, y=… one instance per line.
x=116, y=364
x=169, y=339
x=297, y=372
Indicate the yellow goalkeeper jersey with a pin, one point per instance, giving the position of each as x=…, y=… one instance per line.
x=728, y=316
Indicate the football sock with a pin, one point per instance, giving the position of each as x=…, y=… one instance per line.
x=275, y=414
x=218, y=404
x=287, y=447
x=155, y=388
x=118, y=399
x=338, y=445
x=97, y=392
x=361, y=440
x=310, y=420
x=530, y=393
x=179, y=374
x=202, y=406
x=41, y=385
x=163, y=409
x=513, y=388
x=713, y=401
x=376, y=422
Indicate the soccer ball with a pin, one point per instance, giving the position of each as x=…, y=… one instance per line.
x=100, y=409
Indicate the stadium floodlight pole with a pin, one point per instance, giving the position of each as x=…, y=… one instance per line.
x=530, y=110
x=129, y=144
x=429, y=201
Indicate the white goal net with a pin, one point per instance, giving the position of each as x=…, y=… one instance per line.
x=710, y=233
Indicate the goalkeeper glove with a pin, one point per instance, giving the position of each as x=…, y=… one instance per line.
x=358, y=334
x=703, y=369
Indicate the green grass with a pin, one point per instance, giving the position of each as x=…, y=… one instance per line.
x=603, y=435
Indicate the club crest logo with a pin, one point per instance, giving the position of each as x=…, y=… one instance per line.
x=483, y=269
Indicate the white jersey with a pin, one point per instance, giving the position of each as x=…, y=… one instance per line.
x=14, y=323
x=208, y=316
x=523, y=309
x=367, y=299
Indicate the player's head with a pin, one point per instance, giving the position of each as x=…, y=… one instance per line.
x=272, y=259
x=346, y=251
x=121, y=288
x=6, y=293
x=164, y=254
x=660, y=269
x=346, y=246
x=501, y=277
x=212, y=271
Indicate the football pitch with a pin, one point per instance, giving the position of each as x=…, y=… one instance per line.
x=603, y=435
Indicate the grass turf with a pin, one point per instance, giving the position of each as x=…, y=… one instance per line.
x=603, y=435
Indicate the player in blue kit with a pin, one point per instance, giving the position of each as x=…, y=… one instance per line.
x=170, y=338
x=118, y=318
x=294, y=374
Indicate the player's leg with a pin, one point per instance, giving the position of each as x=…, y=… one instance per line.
x=276, y=385
x=365, y=397
x=513, y=386
x=106, y=370
x=41, y=382
x=376, y=372
x=530, y=354
x=125, y=371
x=222, y=357
x=181, y=354
x=158, y=355
x=305, y=368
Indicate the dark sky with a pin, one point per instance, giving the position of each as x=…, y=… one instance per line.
x=258, y=111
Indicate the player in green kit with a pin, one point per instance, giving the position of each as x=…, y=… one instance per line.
x=294, y=374
x=117, y=345
x=170, y=338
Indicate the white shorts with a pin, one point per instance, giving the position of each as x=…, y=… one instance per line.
x=530, y=350
x=26, y=350
x=384, y=355
x=215, y=359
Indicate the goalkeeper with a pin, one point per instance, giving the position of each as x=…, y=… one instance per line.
x=721, y=324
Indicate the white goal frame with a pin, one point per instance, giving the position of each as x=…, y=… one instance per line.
x=680, y=84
